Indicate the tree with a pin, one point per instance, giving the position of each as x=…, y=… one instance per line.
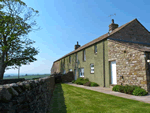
x=16, y=21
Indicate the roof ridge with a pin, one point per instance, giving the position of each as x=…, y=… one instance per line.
x=100, y=38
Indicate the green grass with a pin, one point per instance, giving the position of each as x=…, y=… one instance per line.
x=28, y=76
x=71, y=99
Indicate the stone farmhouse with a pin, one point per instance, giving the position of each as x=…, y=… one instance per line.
x=121, y=56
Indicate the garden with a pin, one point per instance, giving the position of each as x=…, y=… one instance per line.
x=128, y=89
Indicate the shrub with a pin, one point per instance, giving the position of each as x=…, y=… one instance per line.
x=87, y=83
x=86, y=79
x=139, y=92
x=121, y=89
x=116, y=88
x=73, y=81
x=94, y=84
x=80, y=79
x=128, y=89
x=79, y=82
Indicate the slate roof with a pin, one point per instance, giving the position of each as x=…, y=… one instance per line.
x=105, y=36
x=139, y=46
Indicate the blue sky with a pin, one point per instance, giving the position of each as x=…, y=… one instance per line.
x=64, y=22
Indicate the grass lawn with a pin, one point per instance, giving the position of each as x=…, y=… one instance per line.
x=71, y=99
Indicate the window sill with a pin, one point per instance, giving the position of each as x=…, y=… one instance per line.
x=92, y=73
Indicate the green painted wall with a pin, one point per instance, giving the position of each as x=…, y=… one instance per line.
x=91, y=57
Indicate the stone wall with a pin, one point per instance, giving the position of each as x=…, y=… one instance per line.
x=8, y=81
x=130, y=63
x=148, y=70
x=32, y=96
x=68, y=77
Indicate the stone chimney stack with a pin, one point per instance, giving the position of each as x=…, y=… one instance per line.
x=76, y=46
x=112, y=26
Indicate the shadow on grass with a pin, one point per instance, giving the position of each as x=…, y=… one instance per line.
x=57, y=104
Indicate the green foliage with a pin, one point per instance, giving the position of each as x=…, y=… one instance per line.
x=86, y=79
x=16, y=21
x=87, y=83
x=73, y=81
x=81, y=81
x=140, y=92
x=94, y=84
x=116, y=88
x=133, y=89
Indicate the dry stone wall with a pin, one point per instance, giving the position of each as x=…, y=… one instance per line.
x=32, y=96
x=130, y=63
x=9, y=81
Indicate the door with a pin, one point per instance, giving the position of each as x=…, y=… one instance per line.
x=113, y=72
x=81, y=72
x=75, y=76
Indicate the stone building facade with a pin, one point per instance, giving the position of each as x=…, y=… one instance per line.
x=130, y=63
x=121, y=54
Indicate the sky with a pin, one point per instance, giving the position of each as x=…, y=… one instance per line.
x=64, y=22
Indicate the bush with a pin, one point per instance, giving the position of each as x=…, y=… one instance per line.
x=94, y=84
x=73, y=81
x=80, y=79
x=139, y=92
x=86, y=79
x=121, y=89
x=87, y=83
x=116, y=88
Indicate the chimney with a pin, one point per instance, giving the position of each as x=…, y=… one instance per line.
x=112, y=26
x=76, y=46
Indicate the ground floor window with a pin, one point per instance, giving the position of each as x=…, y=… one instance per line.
x=70, y=70
x=64, y=72
x=81, y=72
x=92, y=68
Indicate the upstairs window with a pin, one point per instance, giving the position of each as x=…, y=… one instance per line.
x=70, y=70
x=69, y=59
x=92, y=68
x=95, y=49
x=84, y=56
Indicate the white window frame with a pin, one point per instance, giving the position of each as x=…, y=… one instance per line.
x=84, y=56
x=81, y=72
x=70, y=70
x=92, y=67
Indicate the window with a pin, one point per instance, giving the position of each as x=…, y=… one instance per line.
x=64, y=72
x=81, y=72
x=92, y=68
x=69, y=59
x=76, y=57
x=70, y=70
x=95, y=49
x=84, y=57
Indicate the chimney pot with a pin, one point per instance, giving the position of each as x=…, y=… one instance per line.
x=112, y=26
x=76, y=46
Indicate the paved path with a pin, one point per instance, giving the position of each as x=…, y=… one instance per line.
x=145, y=99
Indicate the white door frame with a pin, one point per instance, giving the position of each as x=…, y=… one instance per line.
x=113, y=72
